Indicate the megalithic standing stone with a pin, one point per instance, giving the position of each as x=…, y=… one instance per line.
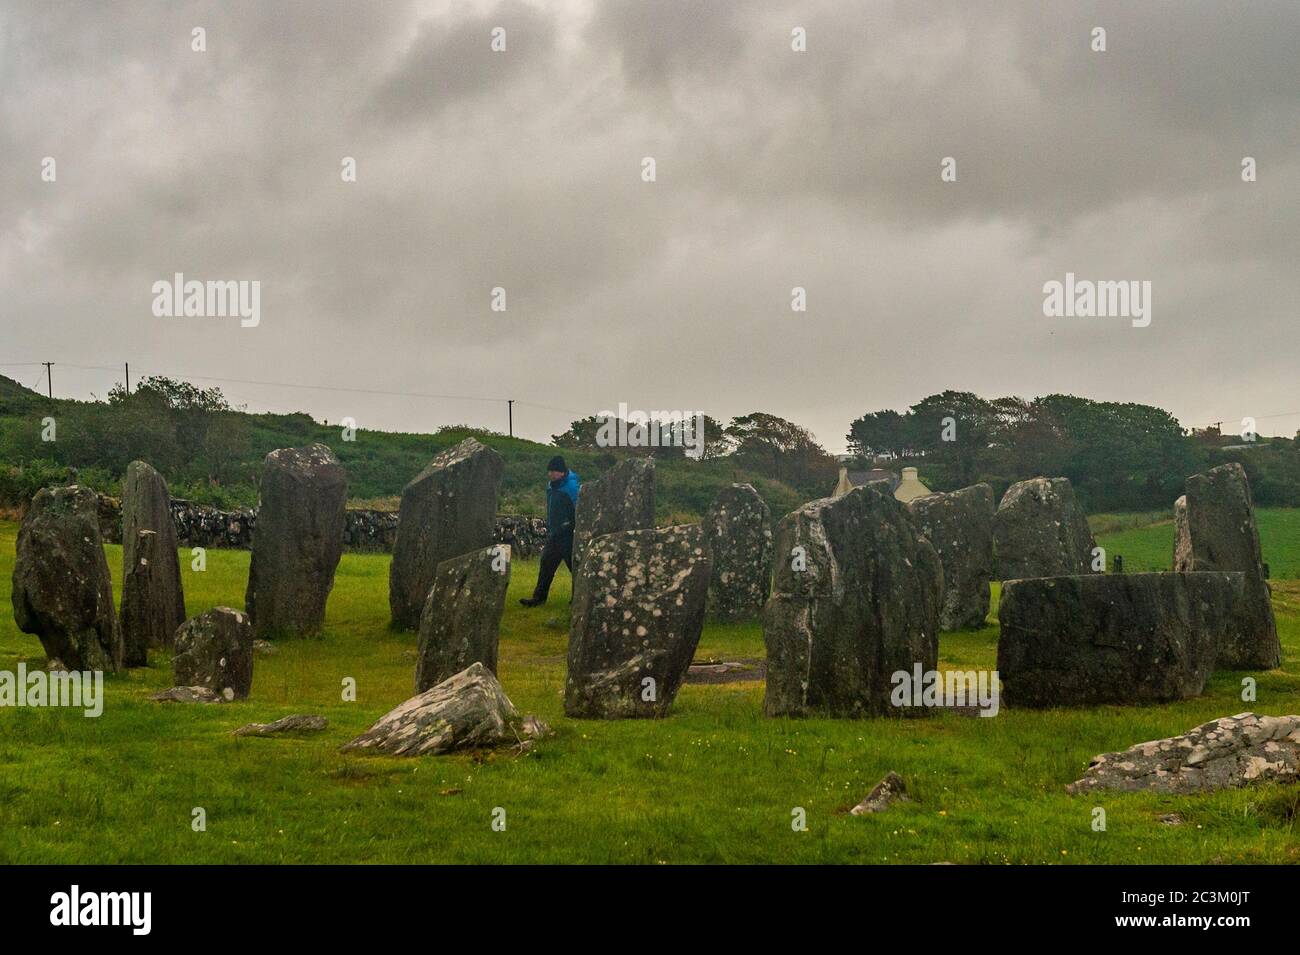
x=298, y=541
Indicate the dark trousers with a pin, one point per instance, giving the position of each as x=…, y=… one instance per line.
x=553, y=554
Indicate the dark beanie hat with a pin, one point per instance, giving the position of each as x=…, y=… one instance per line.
x=557, y=464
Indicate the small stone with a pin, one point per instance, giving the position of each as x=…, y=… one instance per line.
x=884, y=794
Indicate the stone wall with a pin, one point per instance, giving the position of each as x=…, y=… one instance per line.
x=199, y=525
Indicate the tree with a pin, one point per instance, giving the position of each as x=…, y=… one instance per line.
x=782, y=450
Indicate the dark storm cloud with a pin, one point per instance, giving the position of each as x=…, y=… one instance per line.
x=775, y=169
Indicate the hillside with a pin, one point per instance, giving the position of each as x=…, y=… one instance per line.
x=214, y=455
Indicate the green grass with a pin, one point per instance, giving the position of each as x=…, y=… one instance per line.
x=714, y=782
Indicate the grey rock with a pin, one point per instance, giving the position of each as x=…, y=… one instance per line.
x=622, y=499
x=884, y=794
x=215, y=650
x=638, y=611
x=1228, y=753
x=1182, y=538
x=299, y=541
x=62, y=590
x=738, y=534
x=461, y=622
x=1112, y=638
x=300, y=723
x=156, y=604
x=1039, y=530
x=466, y=711
x=1221, y=536
x=447, y=510
x=960, y=526
x=862, y=605
x=188, y=694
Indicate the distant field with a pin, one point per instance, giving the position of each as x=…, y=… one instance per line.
x=1147, y=541
x=713, y=782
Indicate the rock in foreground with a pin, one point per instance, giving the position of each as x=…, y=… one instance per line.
x=62, y=590
x=884, y=794
x=638, y=611
x=1228, y=753
x=1112, y=638
x=467, y=711
x=856, y=599
x=299, y=723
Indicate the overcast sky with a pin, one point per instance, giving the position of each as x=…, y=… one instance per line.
x=774, y=169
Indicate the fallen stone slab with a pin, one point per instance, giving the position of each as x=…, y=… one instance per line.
x=466, y=711
x=189, y=694
x=1112, y=638
x=727, y=671
x=299, y=723
x=1228, y=753
x=884, y=794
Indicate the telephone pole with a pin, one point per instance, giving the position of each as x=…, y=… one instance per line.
x=49, y=377
x=128, y=377
x=510, y=410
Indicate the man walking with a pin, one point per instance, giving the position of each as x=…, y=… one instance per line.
x=561, y=504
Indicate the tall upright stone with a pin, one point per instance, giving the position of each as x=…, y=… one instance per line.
x=157, y=601
x=1039, y=530
x=638, y=611
x=960, y=526
x=461, y=622
x=738, y=533
x=447, y=510
x=298, y=541
x=855, y=600
x=62, y=590
x=621, y=499
x=146, y=621
x=1182, y=537
x=1221, y=535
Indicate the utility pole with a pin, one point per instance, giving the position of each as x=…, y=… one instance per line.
x=49, y=377
x=510, y=410
x=128, y=377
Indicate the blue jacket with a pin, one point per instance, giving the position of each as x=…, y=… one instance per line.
x=561, y=506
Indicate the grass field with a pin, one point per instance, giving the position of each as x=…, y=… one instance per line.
x=714, y=782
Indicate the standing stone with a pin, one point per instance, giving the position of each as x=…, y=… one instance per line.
x=1112, y=638
x=638, y=611
x=146, y=506
x=622, y=499
x=146, y=621
x=738, y=533
x=1221, y=535
x=461, y=622
x=1182, y=537
x=62, y=590
x=299, y=541
x=960, y=526
x=856, y=600
x=449, y=509
x=1040, y=531
x=215, y=651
